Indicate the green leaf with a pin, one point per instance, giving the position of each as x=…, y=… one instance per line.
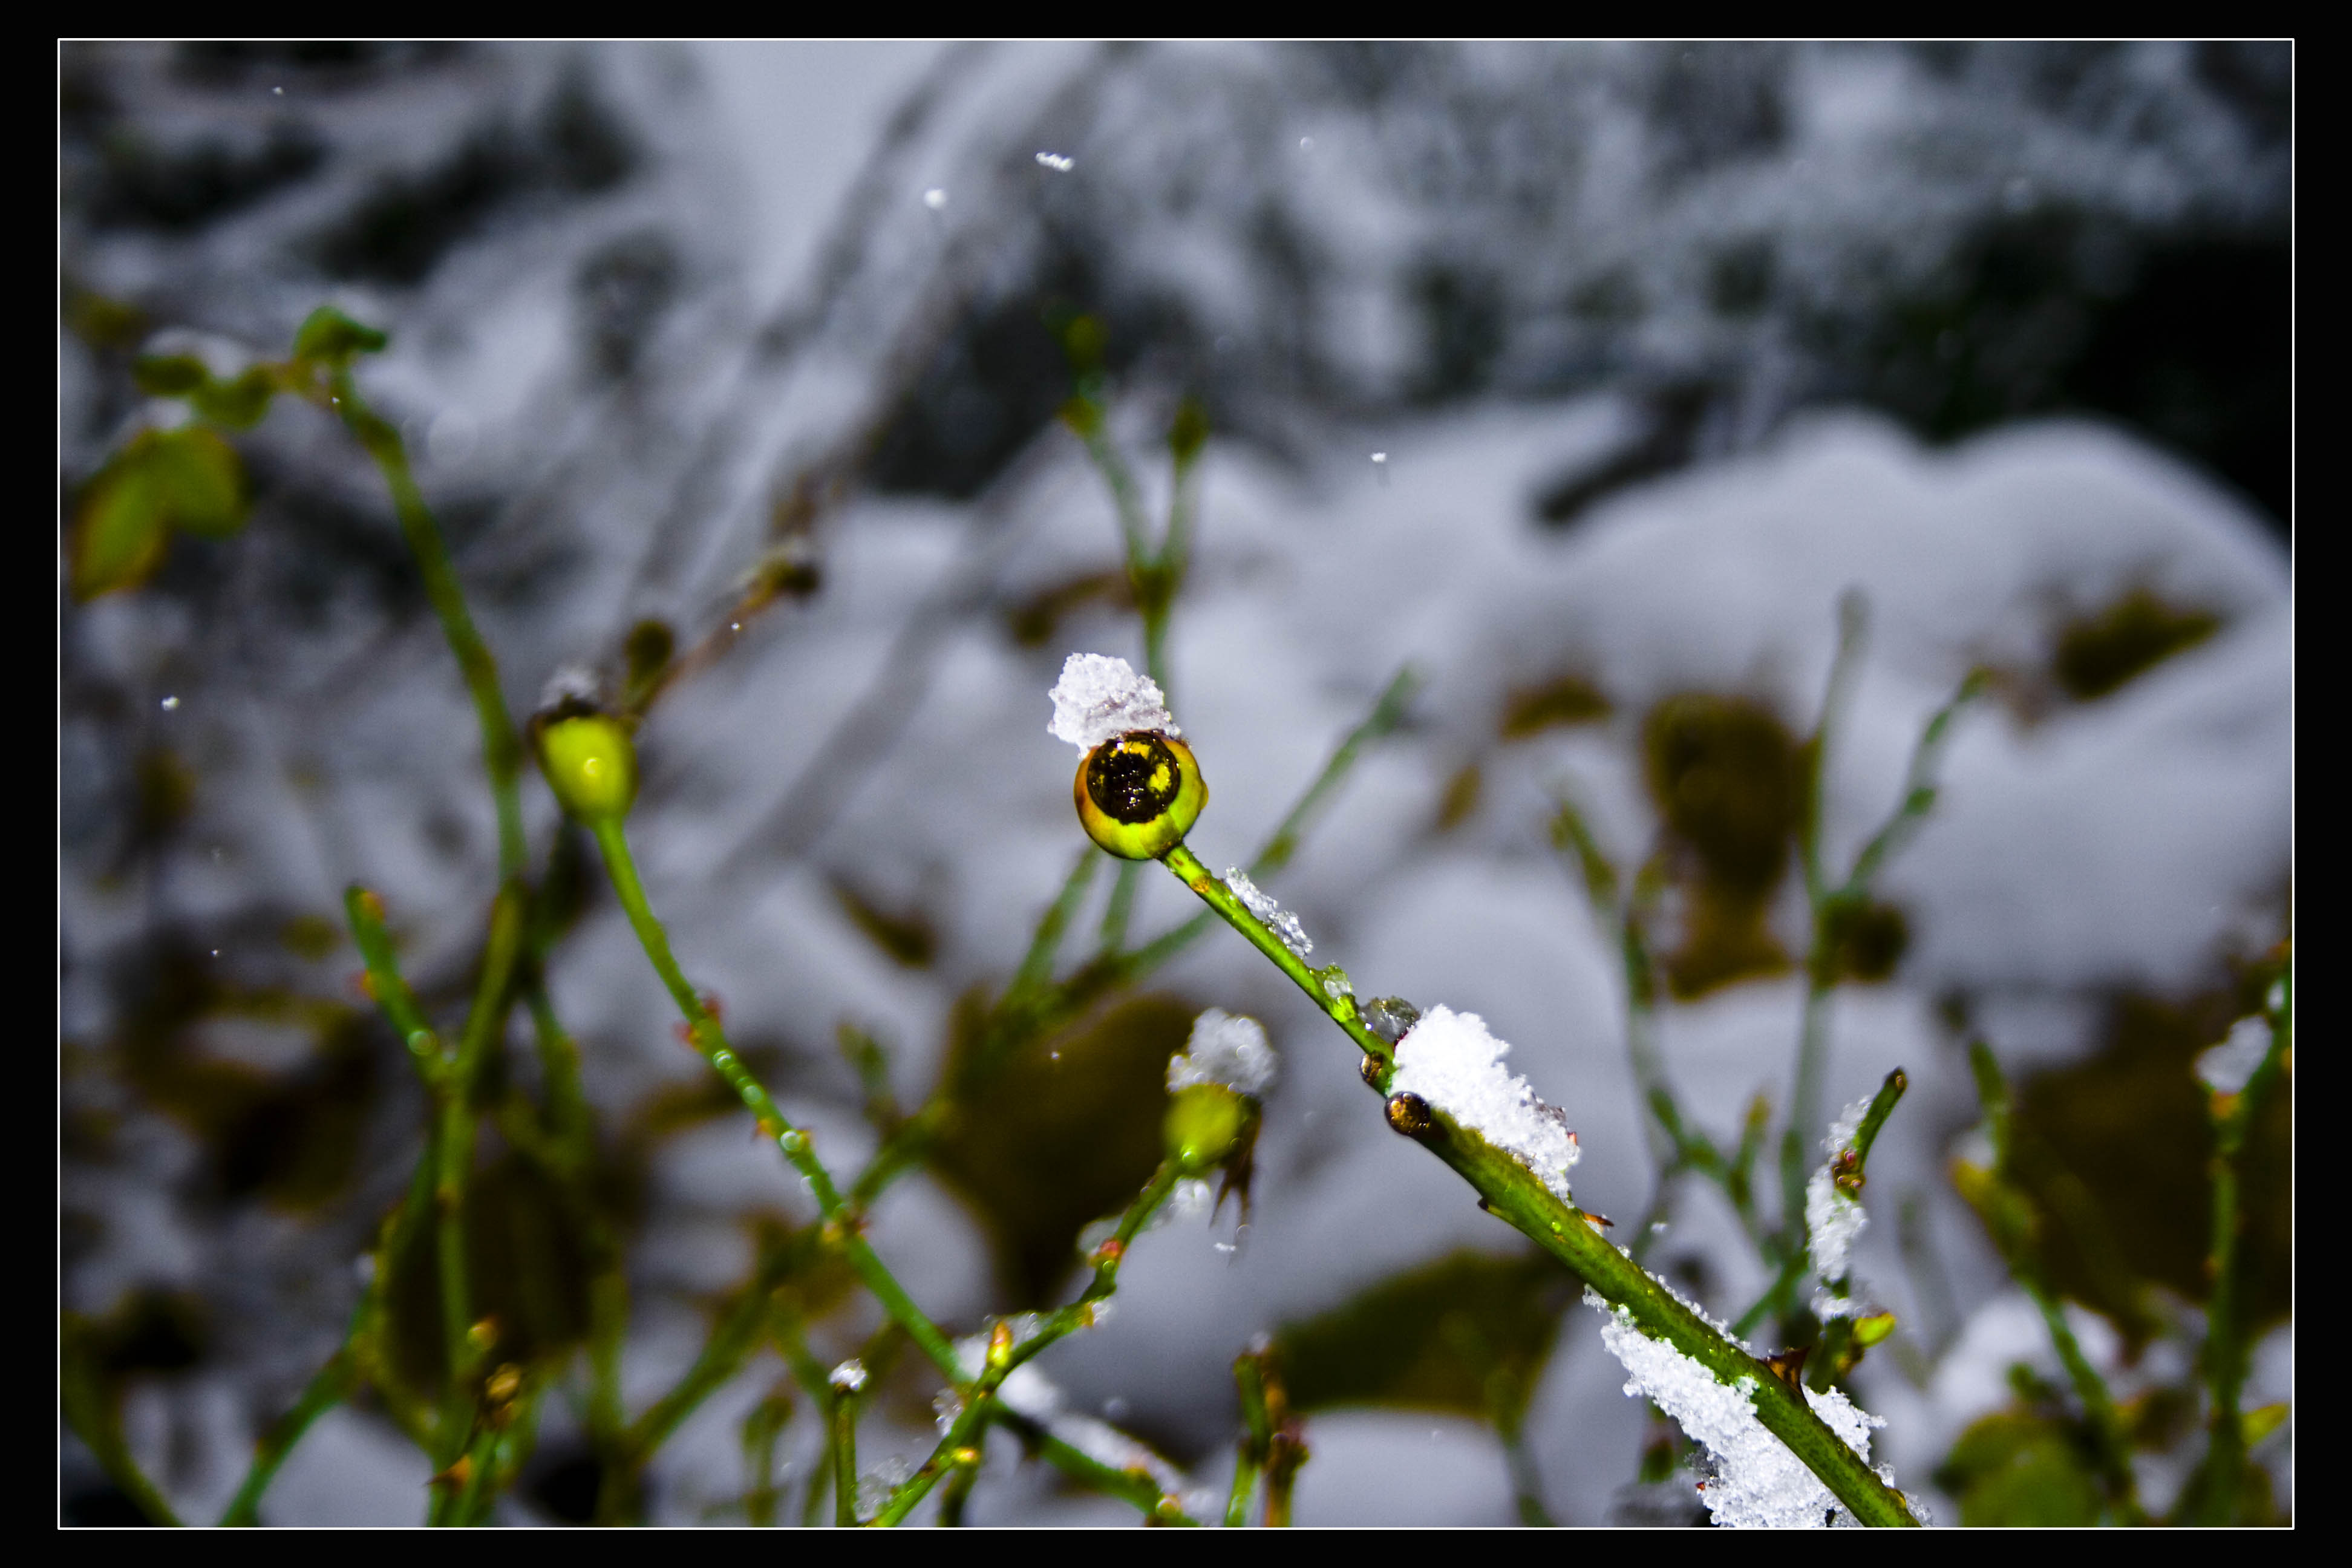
x=2015, y=1468
x=120, y=529
x=238, y=404
x=199, y=481
x=159, y=481
x=1065, y=1128
x=169, y=376
x=1469, y=1333
x=330, y=337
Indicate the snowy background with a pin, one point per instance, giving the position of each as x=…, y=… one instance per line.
x=1616, y=365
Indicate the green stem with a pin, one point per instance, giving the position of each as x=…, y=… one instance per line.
x=1113, y=936
x=1804, y=1113
x=1004, y=1357
x=1246, y=1467
x=2009, y=1215
x=958, y=1491
x=1513, y=1193
x=389, y=988
x=92, y=1406
x=709, y=1038
x=1341, y=1009
x=330, y=1386
x=843, y=1423
x=2215, y=1500
x=501, y=748
x=1833, y=906
x=455, y=1165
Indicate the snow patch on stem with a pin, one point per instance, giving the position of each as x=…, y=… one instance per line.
x=1758, y=1483
x=1450, y=1060
x=1261, y=904
x=1834, y=1218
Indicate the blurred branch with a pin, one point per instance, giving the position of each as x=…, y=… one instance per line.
x=2212, y=1496
x=2007, y=1214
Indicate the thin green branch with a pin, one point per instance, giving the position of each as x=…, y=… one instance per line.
x=1833, y=908
x=1004, y=1355
x=2213, y=1497
x=1513, y=1193
x=91, y=1403
x=709, y=1037
x=2008, y=1215
x=329, y=1386
x=1340, y=1007
x=389, y=988
x=1120, y=906
x=501, y=748
x=840, y=1430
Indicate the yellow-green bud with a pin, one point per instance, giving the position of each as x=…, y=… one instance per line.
x=1872, y=1330
x=1205, y=1123
x=1140, y=795
x=590, y=764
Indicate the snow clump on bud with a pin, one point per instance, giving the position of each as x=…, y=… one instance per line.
x=1224, y=1049
x=1101, y=699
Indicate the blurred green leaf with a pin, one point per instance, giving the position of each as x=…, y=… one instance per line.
x=1729, y=779
x=2018, y=1468
x=119, y=528
x=1065, y=1131
x=1469, y=1333
x=239, y=403
x=200, y=482
x=2114, y=1151
x=159, y=481
x=329, y=337
x=169, y=376
x=2103, y=652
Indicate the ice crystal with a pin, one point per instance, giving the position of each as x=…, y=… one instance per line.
x=1101, y=699
x=849, y=1376
x=1758, y=1482
x=1450, y=1060
x=1261, y=904
x=1224, y=1050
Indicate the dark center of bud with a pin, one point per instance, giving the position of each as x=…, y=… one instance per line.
x=1134, y=778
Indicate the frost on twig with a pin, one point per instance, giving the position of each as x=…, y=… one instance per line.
x=1101, y=699
x=1757, y=1481
x=1449, y=1059
x=1834, y=1218
x=1226, y=1049
x=1261, y=904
